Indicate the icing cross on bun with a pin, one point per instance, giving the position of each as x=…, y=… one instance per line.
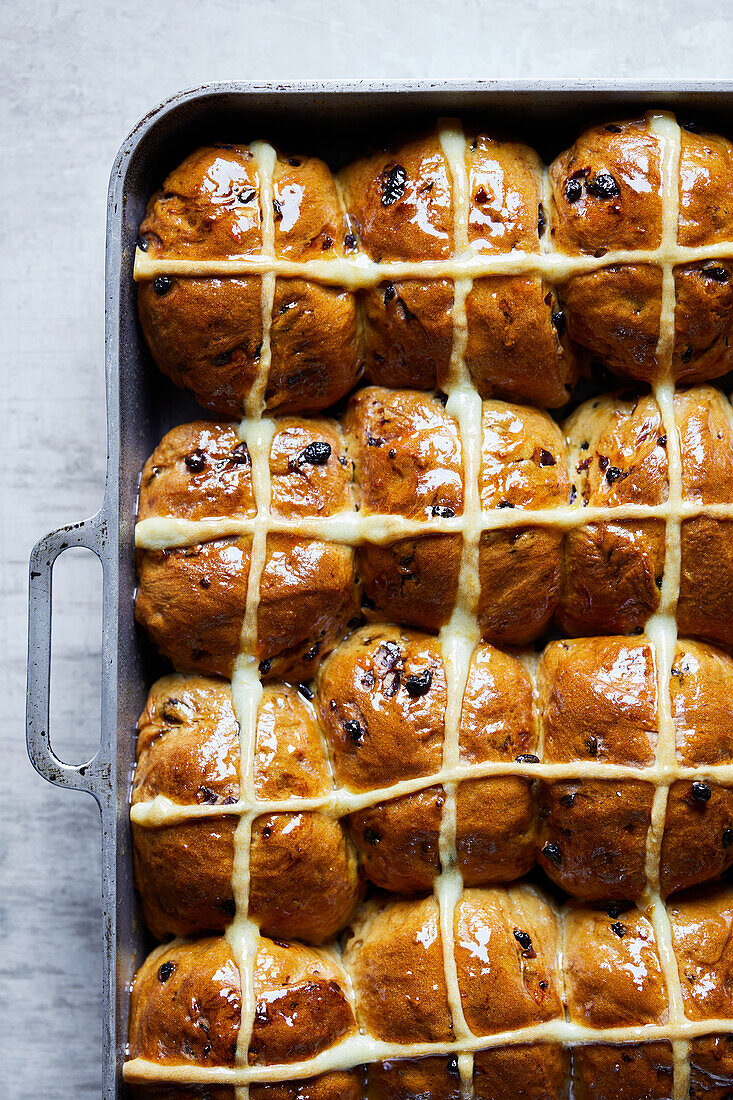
x=349, y=781
x=371, y=512
x=265, y=279
x=510, y=947
x=443, y=780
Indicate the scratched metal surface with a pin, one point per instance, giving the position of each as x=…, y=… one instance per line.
x=74, y=78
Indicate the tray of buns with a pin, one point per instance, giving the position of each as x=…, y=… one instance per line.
x=416, y=774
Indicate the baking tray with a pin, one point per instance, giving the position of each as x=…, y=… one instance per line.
x=334, y=120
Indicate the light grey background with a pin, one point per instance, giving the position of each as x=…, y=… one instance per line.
x=75, y=78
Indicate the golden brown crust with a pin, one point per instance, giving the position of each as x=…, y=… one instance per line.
x=702, y=937
x=623, y=1072
x=407, y=458
x=597, y=702
x=314, y=346
x=192, y=601
x=437, y=1078
x=536, y=1072
x=705, y=426
x=615, y=313
x=309, y=220
x=198, y=471
x=340, y=1085
x=606, y=196
x=185, y=1005
x=378, y=731
x=206, y=207
x=523, y=465
x=705, y=604
x=612, y=572
x=395, y=959
x=624, y=214
x=289, y=757
x=698, y=835
x=401, y=205
x=517, y=347
x=187, y=743
x=613, y=977
x=302, y=1004
x=706, y=179
x=304, y=878
x=308, y=594
x=183, y=876
x=704, y=309
x=398, y=841
x=593, y=836
x=496, y=829
x=496, y=824
x=506, y=982
x=382, y=702
x=408, y=333
x=703, y=321
x=711, y=1067
x=206, y=333
x=307, y=588
x=503, y=193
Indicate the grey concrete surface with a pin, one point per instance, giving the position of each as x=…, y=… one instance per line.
x=74, y=78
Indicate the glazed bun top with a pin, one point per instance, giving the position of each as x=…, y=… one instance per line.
x=447, y=751
x=210, y=207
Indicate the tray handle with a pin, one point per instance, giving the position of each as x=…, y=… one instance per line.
x=89, y=776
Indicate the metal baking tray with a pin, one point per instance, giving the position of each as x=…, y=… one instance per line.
x=335, y=120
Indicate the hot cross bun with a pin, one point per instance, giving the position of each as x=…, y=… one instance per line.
x=304, y=882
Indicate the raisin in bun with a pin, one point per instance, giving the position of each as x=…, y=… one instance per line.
x=205, y=332
x=382, y=697
x=598, y=704
x=407, y=455
x=192, y=599
x=186, y=1002
x=702, y=923
x=523, y=466
x=705, y=427
x=614, y=978
x=304, y=881
x=382, y=700
x=401, y=205
x=607, y=197
x=395, y=959
x=613, y=570
x=408, y=461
